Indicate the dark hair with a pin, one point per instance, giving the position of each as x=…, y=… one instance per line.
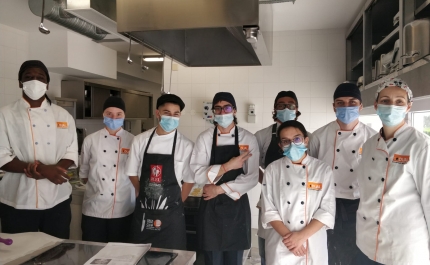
x=298, y=113
x=294, y=124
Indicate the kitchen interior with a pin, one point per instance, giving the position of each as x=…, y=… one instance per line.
x=140, y=49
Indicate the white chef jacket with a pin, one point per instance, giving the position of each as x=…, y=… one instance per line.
x=342, y=151
x=46, y=134
x=109, y=192
x=393, y=219
x=206, y=174
x=162, y=144
x=295, y=194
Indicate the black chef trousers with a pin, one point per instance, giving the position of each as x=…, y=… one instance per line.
x=223, y=257
x=362, y=259
x=106, y=230
x=54, y=221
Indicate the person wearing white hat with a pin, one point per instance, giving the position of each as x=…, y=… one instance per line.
x=393, y=219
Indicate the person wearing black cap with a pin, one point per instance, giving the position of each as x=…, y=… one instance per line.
x=339, y=144
x=109, y=195
x=38, y=143
x=286, y=107
x=225, y=161
x=158, y=162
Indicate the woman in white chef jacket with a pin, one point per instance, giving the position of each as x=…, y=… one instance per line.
x=298, y=202
x=109, y=196
x=393, y=218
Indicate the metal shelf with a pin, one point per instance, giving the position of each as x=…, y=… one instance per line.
x=386, y=45
x=423, y=10
x=358, y=64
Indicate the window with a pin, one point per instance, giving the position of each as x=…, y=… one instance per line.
x=372, y=121
x=421, y=121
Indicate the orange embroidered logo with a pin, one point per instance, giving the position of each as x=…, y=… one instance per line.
x=400, y=159
x=62, y=125
x=360, y=151
x=243, y=148
x=125, y=151
x=314, y=186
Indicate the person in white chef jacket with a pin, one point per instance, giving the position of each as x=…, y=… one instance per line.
x=286, y=107
x=298, y=202
x=393, y=219
x=339, y=144
x=109, y=195
x=225, y=160
x=38, y=144
x=158, y=163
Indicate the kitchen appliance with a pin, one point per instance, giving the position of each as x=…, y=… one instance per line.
x=360, y=83
x=395, y=62
x=416, y=40
x=68, y=104
x=385, y=63
x=373, y=73
x=214, y=33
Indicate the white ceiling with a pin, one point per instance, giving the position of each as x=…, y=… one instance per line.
x=315, y=14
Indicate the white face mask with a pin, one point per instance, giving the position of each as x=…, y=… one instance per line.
x=34, y=89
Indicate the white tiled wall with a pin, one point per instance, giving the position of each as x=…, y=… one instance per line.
x=14, y=50
x=310, y=63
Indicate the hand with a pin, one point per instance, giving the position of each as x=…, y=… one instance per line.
x=136, y=192
x=299, y=252
x=237, y=161
x=54, y=173
x=31, y=171
x=294, y=240
x=210, y=191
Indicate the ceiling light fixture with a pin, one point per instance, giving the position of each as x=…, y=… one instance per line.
x=153, y=59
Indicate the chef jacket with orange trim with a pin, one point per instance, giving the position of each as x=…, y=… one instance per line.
x=393, y=218
x=109, y=192
x=46, y=134
x=206, y=174
x=295, y=194
x=342, y=151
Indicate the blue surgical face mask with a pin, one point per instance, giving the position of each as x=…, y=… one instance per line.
x=113, y=124
x=285, y=115
x=391, y=115
x=224, y=120
x=295, y=152
x=169, y=123
x=347, y=114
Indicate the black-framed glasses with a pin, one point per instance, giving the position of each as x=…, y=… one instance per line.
x=226, y=108
x=282, y=106
x=298, y=140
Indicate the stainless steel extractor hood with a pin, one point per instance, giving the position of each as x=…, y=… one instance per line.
x=201, y=32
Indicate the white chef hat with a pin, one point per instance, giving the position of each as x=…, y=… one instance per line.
x=395, y=82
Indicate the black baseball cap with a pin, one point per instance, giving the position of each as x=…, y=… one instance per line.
x=224, y=96
x=170, y=98
x=33, y=64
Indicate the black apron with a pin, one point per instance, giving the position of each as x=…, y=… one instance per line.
x=225, y=224
x=159, y=213
x=274, y=152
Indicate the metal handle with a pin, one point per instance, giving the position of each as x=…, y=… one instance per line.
x=129, y=60
x=407, y=56
x=42, y=28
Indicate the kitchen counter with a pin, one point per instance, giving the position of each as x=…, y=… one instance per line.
x=72, y=252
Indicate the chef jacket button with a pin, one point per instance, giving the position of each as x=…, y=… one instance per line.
x=288, y=183
x=49, y=125
x=302, y=202
x=339, y=133
x=364, y=217
x=101, y=194
x=373, y=158
x=354, y=134
x=111, y=194
x=303, y=184
x=36, y=143
x=350, y=187
x=379, y=200
x=116, y=151
x=337, y=150
x=29, y=109
x=114, y=165
x=353, y=151
x=113, y=179
x=370, y=178
x=288, y=221
x=219, y=134
x=117, y=138
x=382, y=179
x=288, y=166
x=49, y=143
x=302, y=222
x=377, y=222
x=351, y=170
x=288, y=202
x=335, y=184
x=104, y=151
x=103, y=179
x=386, y=159
x=304, y=166
x=394, y=139
x=34, y=125
x=232, y=135
x=104, y=165
x=45, y=110
x=105, y=136
x=335, y=167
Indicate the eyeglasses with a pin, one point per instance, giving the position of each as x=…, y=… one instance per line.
x=226, y=108
x=298, y=140
x=281, y=106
